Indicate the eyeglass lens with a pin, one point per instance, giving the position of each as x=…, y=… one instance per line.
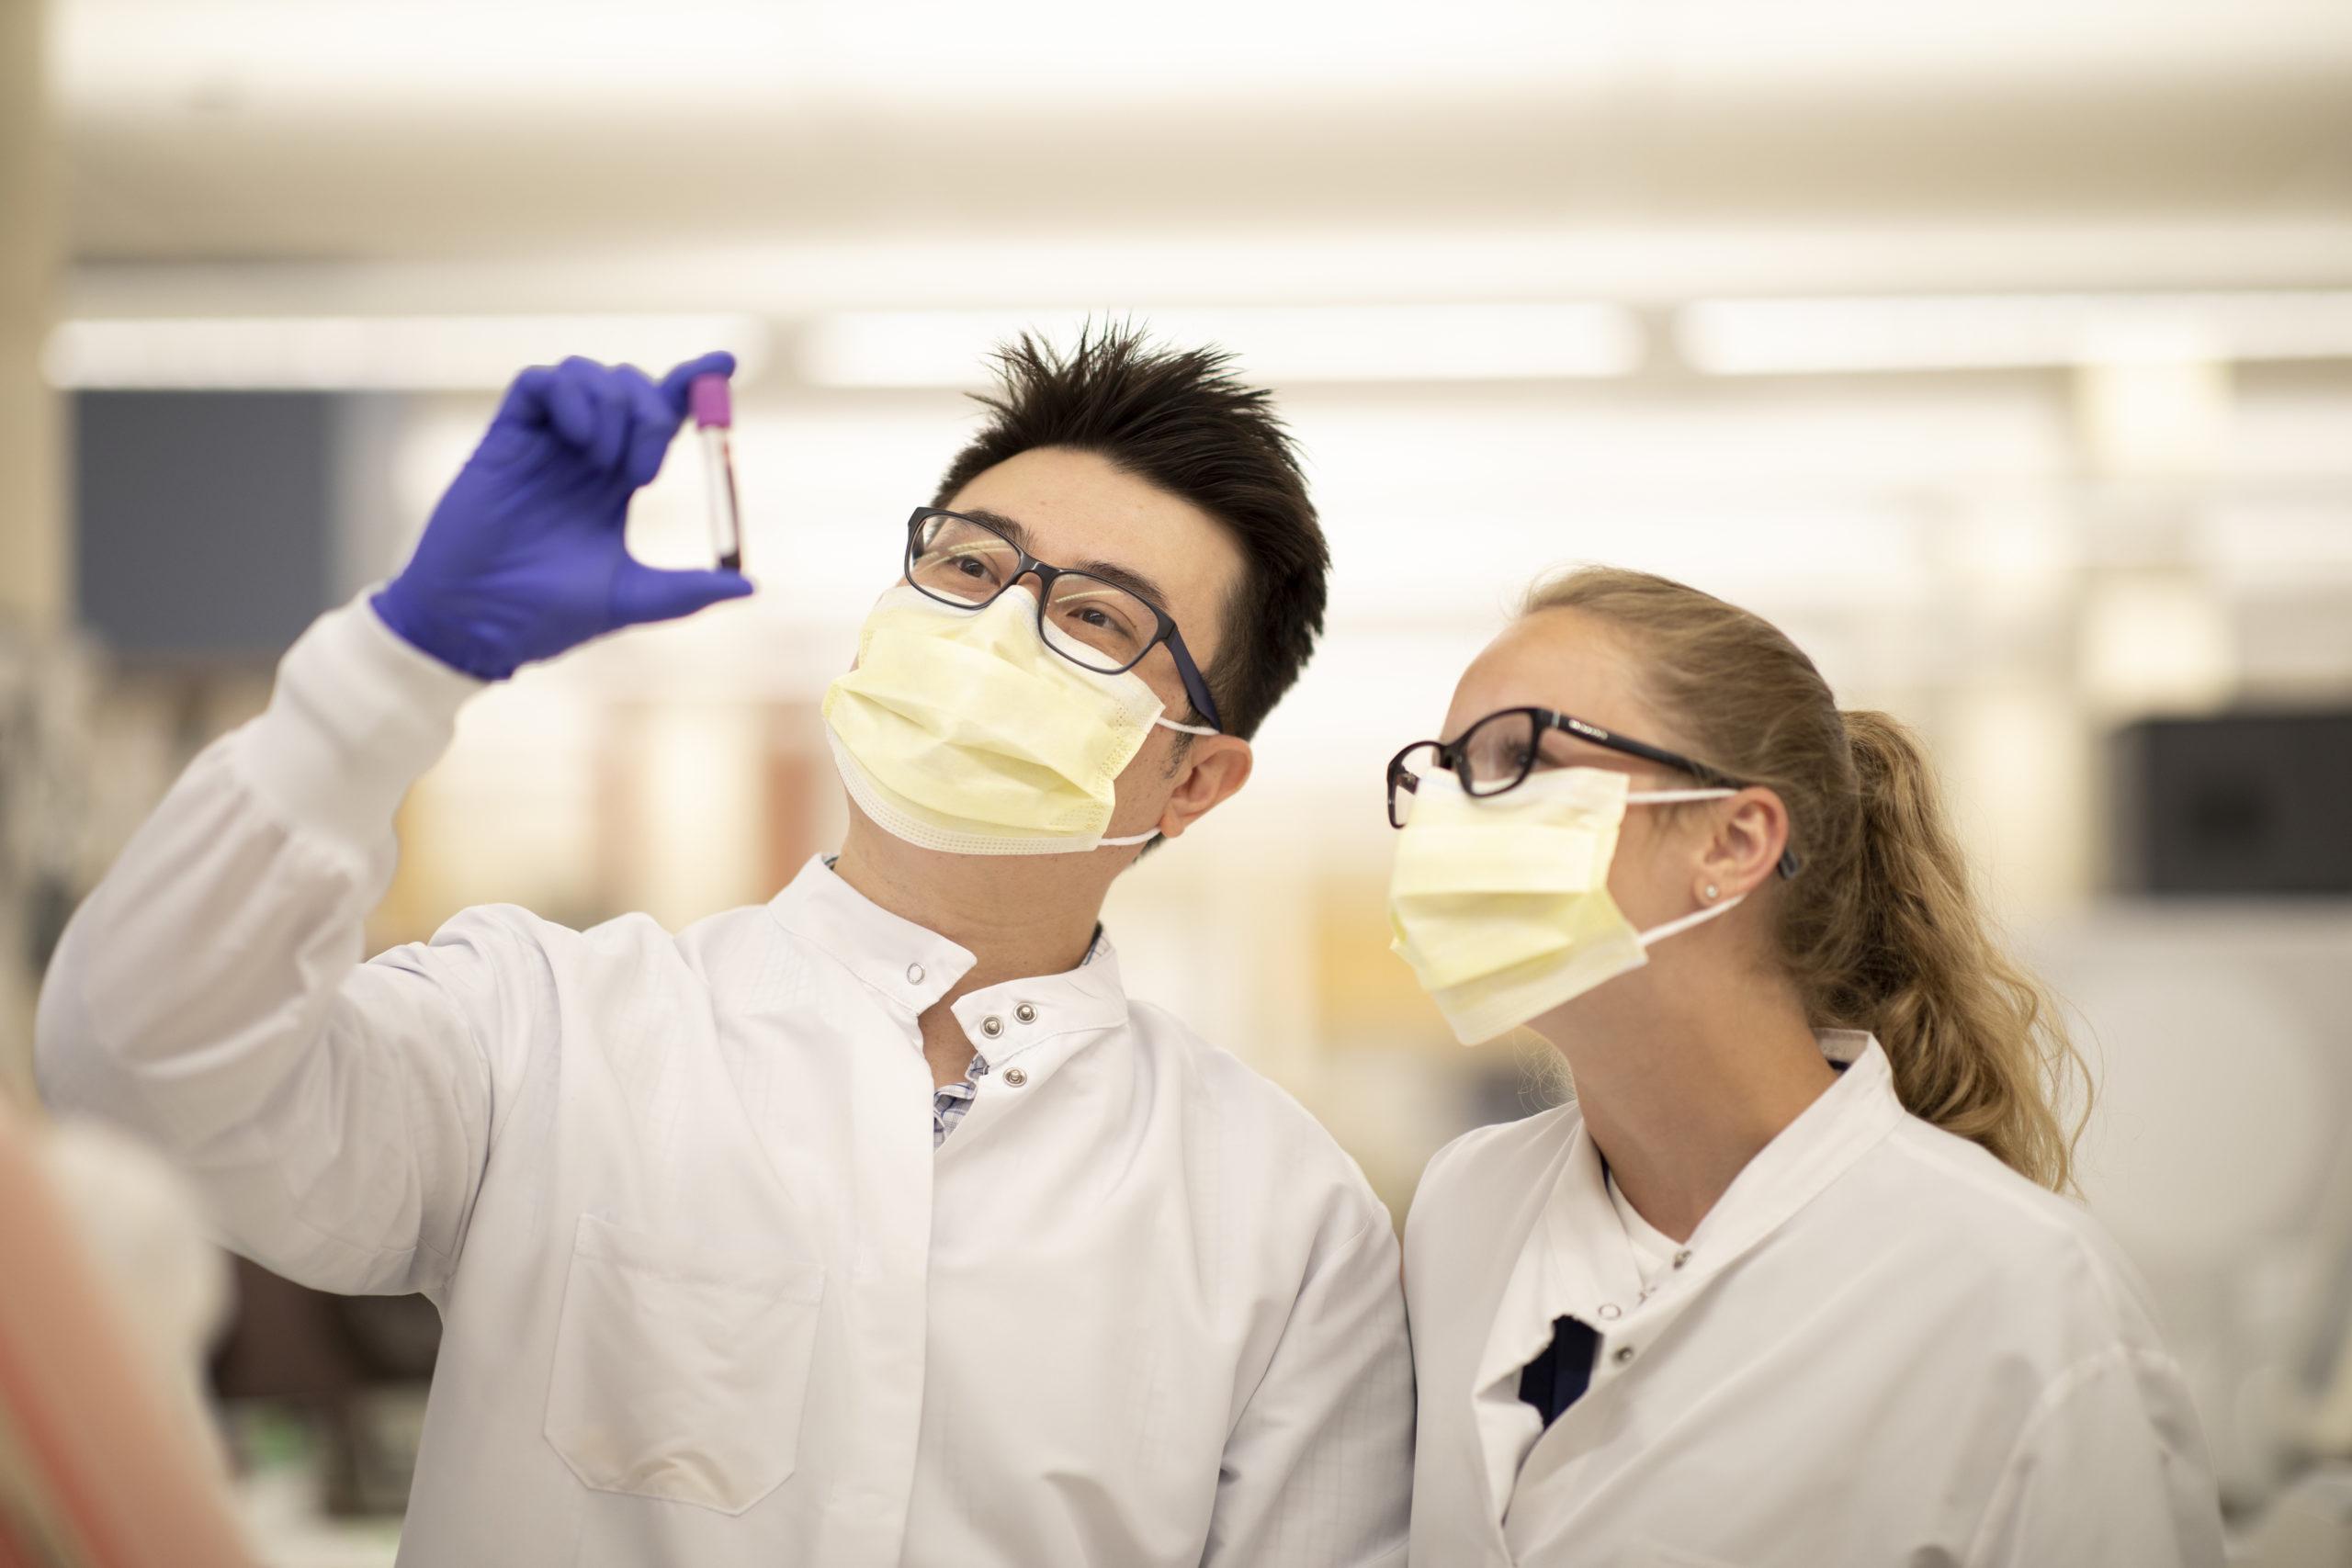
x=1092, y=622
x=1498, y=752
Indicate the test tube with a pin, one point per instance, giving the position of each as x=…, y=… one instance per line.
x=714, y=409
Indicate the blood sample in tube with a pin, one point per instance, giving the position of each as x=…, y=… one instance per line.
x=712, y=404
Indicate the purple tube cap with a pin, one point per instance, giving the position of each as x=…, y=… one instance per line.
x=709, y=401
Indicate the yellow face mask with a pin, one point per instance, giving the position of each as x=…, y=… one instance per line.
x=961, y=730
x=1501, y=903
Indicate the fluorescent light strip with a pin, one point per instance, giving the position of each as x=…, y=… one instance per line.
x=1983, y=332
x=376, y=353
x=1279, y=343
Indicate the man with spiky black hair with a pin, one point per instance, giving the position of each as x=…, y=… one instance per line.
x=875, y=1224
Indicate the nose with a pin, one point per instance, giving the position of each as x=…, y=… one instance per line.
x=1031, y=571
x=1015, y=605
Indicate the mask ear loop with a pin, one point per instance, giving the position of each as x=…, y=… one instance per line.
x=1788, y=866
x=1146, y=837
x=1696, y=918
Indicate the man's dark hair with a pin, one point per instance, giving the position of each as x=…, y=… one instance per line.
x=1179, y=420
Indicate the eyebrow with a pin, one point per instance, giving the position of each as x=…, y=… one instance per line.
x=1112, y=572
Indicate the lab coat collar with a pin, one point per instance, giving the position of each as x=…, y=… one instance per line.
x=1563, y=1265
x=913, y=969
x=1581, y=1265
x=1578, y=1263
x=1028, y=1013
x=908, y=965
x=1849, y=1119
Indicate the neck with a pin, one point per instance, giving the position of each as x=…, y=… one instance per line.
x=1681, y=1087
x=1018, y=916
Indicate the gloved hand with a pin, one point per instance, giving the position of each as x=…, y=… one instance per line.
x=523, y=558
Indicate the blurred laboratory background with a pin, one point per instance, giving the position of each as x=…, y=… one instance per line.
x=2001, y=353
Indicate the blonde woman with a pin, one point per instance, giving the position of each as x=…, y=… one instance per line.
x=1793, y=1279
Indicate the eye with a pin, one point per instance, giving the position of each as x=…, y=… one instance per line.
x=1101, y=617
x=975, y=559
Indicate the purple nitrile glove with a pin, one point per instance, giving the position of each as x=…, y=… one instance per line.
x=523, y=558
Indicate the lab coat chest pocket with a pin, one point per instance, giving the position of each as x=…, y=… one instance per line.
x=679, y=1369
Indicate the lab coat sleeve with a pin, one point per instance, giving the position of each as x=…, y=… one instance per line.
x=2111, y=1469
x=1319, y=1471
x=209, y=995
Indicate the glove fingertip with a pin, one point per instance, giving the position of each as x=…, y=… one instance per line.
x=526, y=400
x=572, y=406
x=713, y=587
x=645, y=594
x=718, y=362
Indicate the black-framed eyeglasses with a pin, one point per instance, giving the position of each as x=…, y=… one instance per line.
x=1094, y=623
x=1500, y=751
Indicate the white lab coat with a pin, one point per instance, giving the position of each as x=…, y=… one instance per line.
x=709, y=1296
x=1881, y=1347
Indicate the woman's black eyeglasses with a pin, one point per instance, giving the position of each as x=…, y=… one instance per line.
x=1497, y=755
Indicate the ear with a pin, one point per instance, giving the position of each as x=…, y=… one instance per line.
x=1215, y=766
x=1746, y=846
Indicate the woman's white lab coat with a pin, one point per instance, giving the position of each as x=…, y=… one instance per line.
x=1882, y=1347
x=708, y=1295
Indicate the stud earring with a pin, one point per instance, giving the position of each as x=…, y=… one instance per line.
x=1711, y=892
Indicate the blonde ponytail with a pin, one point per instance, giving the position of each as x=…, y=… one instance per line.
x=1881, y=929
x=1977, y=1045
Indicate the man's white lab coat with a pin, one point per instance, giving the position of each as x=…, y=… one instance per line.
x=1881, y=1347
x=709, y=1298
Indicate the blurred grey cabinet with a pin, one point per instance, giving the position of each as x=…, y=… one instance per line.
x=203, y=520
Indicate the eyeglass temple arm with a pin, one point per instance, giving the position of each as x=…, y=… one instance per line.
x=1195, y=687
x=1788, y=864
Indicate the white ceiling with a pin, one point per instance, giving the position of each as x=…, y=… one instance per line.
x=1580, y=147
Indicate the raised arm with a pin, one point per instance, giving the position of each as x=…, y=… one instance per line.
x=209, y=994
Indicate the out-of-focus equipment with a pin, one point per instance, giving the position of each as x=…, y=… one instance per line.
x=2237, y=804
x=2220, y=992
x=97, y=1468
x=44, y=808
x=524, y=557
x=2217, y=1157
x=2309, y=1527
x=198, y=521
